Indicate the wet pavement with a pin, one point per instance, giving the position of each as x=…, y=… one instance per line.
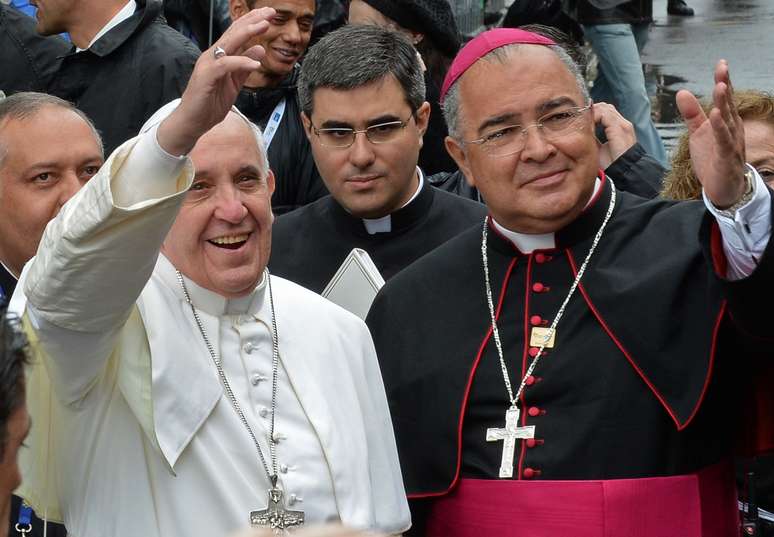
x=682, y=52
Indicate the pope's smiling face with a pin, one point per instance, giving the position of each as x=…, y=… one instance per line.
x=221, y=239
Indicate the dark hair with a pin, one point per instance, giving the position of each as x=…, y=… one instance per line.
x=357, y=55
x=27, y=104
x=13, y=358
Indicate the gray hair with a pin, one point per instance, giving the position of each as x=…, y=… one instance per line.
x=451, y=103
x=356, y=55
x=258, y=133
x=27, y=104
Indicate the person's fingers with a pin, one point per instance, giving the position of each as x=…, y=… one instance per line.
x=721, y=132
x=690, y=110
x=236, y=64
x=237, y=37
x=720, y=99
x=256, y=53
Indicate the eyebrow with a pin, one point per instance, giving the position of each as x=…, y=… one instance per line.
x=291, y=14
x=250, y=169
x=335, y=124
x=511, y=118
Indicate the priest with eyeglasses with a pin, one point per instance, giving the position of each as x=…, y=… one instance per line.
x=178, y=388
x=572, y=365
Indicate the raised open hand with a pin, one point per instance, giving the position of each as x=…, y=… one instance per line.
x=217, y=78
x=716, y=141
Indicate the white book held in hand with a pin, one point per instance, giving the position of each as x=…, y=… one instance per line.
x=355, y=284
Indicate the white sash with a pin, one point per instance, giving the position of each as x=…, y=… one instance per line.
x=274, y=121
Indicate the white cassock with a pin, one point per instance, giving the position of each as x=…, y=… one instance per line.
x=132, y=433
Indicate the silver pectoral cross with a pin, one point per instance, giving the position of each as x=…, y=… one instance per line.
x=275, y=516
x=508, y=435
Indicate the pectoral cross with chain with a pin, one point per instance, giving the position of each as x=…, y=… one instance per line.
x=508, y=435
x=275, y=516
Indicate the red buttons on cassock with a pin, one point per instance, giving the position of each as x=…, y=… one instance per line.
x=540, y=258
x=538, y=287
x=529, y=473
x=530, y=380
x=533, y=351
x=536, y=320
x=531, y=442
x=533, y=411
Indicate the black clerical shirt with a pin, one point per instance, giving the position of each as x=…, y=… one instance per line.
x=310, y=243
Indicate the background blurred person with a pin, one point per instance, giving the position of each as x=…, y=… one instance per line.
x=432, y=28
x=14, y=420
x=125, y=62
x=618, y=35
x=268, y=99
x=28, y=59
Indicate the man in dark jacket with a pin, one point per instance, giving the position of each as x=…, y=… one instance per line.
x=617, y=36
x=28, y=59
x=125, y=64
x=269, y=100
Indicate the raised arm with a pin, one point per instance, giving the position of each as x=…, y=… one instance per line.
x=99, y=252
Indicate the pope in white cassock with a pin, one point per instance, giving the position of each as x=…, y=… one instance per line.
x=160, y=379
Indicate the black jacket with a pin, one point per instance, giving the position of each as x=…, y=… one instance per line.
x=128, y=74
x=290, y=155
x=28, y=60
x=633, y=12
x=192, y=19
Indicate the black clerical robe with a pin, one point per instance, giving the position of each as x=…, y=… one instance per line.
x=642, y=380
x=310, y=243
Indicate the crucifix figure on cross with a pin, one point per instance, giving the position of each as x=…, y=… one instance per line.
x=508, y=435
x=275, y=516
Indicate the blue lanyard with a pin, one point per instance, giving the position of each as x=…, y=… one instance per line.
x=24, y=526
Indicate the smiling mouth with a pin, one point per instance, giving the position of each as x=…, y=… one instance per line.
x=230, y=242
x=287, y=54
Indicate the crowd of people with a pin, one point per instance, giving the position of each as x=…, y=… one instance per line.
x=569, y=340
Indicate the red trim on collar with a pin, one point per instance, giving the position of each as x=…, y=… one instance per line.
x=661, y=399
x=472, y=374
x=719, y=261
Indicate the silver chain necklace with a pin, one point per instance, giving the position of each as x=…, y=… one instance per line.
x=275, y=515
x=511, y=432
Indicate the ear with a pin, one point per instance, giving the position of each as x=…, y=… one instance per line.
x=457, y=152
x=422, y=118
x=237, y=8
x=307, y=126
x=270, y=183
x=416, y=37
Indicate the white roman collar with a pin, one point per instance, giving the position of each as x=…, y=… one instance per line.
x=384, y=224
x=126, y=12
x=527, y=242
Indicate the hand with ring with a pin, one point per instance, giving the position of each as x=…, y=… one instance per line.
x=215, y=83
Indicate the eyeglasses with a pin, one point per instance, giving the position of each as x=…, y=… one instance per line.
x=342, y=137
x=512, y=139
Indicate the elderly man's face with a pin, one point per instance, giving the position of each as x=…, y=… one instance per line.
x=370, y=180
x=546, y=185
x=221, y=238
x=46, y=159
x=17, y=428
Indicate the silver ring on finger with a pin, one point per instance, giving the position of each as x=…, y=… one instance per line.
x=219, y=53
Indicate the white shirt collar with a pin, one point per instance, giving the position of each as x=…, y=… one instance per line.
x=126, y=12
x=9, y=271
x=384, y=224
x=528, y=242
